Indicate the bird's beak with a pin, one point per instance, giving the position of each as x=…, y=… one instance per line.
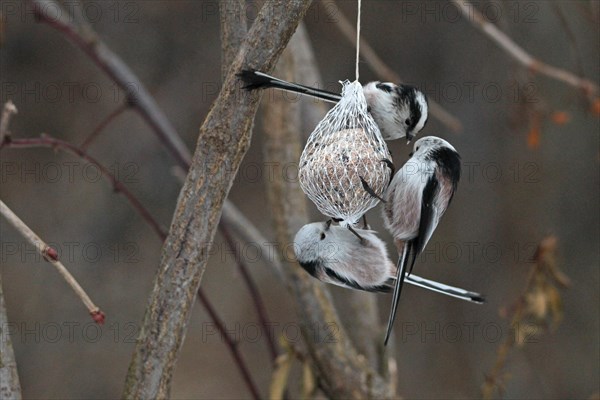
x=409, y=137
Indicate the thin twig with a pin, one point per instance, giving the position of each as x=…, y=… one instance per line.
x=50, y=254
x=109, y=118
x=571, y=35
x=519, y=54
x=50, y=142
x=231, y=344
x=383, y=70
x=244, y=228
x=86, y=39
x=254, y=293
x=138, y=96
x=10, y=386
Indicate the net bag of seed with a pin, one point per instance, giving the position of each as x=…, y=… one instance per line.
x=345, y=147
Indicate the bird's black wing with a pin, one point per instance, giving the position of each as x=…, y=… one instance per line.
x=428, y=220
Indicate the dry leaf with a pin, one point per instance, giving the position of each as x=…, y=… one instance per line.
x=560, y=117
x=533, y=138
x=555, y=304
x=524, y=332
x=559, y=276
x=535, y=133
x=596, y=106
x=537, y=304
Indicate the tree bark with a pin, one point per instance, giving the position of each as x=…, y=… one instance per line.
x=10, y=388
x=223, y=141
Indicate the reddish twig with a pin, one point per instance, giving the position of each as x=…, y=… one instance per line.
x=86, y=143
x=519, y=54
x=231, y=344
x=254, y=293
x=50, y=142
x=137, y=95
x=139, y=99
x=51, y=256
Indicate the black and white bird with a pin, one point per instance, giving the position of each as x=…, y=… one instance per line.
x=334, y=255
x=399, y=110
x=416, y=199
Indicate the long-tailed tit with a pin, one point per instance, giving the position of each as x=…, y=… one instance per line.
x=416, y=199
x=398, y=110
x=334, y=255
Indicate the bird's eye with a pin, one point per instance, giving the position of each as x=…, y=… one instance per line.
x=417, y=149
x=407, y=121
x=322, y=235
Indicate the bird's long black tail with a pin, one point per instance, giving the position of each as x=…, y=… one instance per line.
x=401, y=275
x=258, y=80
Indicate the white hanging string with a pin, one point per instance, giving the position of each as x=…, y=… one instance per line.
x=357, y=38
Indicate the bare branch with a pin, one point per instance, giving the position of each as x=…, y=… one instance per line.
x=233, y=30
x=223, y=140
x=51, y=256
x=231, y=345
x=259, y=305
x=343, y=373
x=519, y=54
x=83, y=35
x=114, y=114
x=10, y=387
x=235, y=220
x=137, y=95
x=53, y=143
x=383, y=70
x=116, y=69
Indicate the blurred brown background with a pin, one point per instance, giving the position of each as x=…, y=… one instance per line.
x=513, y=194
